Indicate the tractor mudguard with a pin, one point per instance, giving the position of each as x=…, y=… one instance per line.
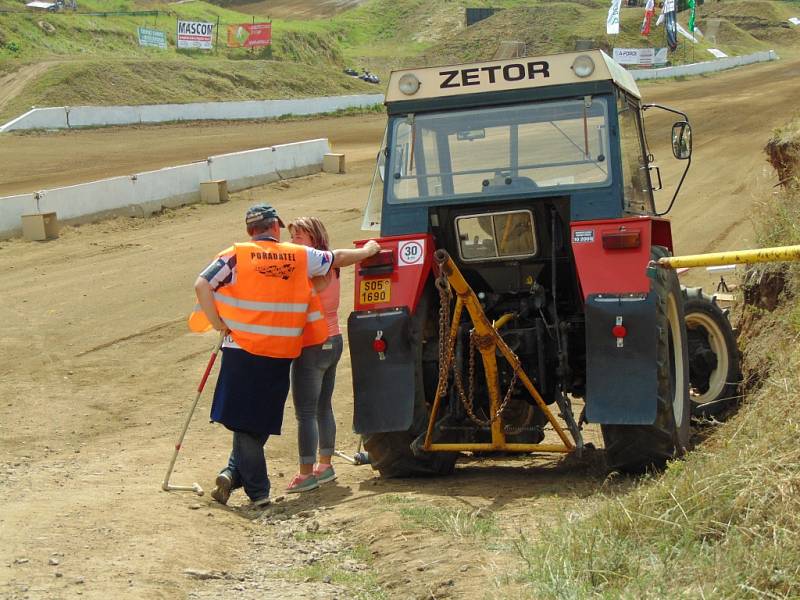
x=383, y=382
x=621, y=357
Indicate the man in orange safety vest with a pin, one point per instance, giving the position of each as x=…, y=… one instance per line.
x=260, y=293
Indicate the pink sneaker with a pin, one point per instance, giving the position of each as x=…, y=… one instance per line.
x=324, y=473
x=302, y=483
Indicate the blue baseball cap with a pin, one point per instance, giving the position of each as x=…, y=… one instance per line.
x=261, y=212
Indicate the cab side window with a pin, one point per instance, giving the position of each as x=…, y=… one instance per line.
x=637, y=194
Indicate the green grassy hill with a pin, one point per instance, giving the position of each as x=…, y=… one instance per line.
x=74, y=58
x=557, y=26
x=95, y=59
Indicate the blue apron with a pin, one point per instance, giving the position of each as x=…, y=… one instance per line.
x=251, y=392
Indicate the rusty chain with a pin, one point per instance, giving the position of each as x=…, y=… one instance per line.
x=446, y=351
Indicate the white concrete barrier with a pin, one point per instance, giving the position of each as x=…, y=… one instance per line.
x=87, y=116
x=294, y=161
x=12, y=208
x=95, y=197
x=711, y=66
x=244, y=169
x=98, y=116
x=39, y=118
x=146, y=193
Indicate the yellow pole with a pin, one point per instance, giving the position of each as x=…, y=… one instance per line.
x=741, y=257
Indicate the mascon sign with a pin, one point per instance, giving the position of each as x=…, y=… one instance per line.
x=249, y=35
x=194, y=34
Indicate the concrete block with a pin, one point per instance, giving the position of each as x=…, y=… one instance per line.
x=40, y=226
x=333, y=163
x=214, y=192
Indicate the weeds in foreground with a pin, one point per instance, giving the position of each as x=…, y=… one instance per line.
x=724, y=522
x=349, y=569
x=458, y=523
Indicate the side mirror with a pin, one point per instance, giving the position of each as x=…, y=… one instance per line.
x=682, y=140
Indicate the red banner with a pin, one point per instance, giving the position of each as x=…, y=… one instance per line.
x=249, y=35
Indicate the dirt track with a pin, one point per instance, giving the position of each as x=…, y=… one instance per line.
x=96, y=371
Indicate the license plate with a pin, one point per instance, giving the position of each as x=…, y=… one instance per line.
x=375, y=291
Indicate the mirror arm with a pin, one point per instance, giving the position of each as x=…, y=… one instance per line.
x=667, y=108
x=678, y=189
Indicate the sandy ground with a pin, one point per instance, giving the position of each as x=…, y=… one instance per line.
x=97, y=370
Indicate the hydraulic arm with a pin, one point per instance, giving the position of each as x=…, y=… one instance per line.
x=488, y=342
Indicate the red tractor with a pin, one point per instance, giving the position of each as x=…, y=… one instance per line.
x=521, y=192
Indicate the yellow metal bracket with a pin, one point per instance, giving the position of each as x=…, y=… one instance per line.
x=489, y=342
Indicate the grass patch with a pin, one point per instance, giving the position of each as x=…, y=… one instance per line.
x=457, y=523
x=110, y=82
x=394, y=499
x=305, y=536
x=725, y=522
x=349, y=569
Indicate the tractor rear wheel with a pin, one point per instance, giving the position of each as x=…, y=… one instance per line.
x=713, y=356
x=635, y=448
x=390, y=453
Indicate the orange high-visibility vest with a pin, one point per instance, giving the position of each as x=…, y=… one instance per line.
x=270, y=308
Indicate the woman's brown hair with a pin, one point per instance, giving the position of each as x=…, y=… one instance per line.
x=316, y=231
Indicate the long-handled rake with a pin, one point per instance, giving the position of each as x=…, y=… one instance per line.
x=195, y=487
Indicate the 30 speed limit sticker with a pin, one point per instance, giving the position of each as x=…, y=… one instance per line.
x=411, y=252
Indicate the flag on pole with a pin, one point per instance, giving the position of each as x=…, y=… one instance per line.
x=691, y=15
x=663, y=14
x=671, y=24
x=649, y=9
x=612, y=23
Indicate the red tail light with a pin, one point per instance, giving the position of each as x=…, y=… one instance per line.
x=619, y=240
x=381, y=263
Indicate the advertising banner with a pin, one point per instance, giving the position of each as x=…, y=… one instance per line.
x=153, y=38
x=612, y=22
x=195, y=34
x=641, y=57
x=249, y=35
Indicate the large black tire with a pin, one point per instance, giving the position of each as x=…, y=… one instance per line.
x=714, y=373
x=636, y=448
x=390, y=453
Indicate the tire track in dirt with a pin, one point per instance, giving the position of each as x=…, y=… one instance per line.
x=13, y=83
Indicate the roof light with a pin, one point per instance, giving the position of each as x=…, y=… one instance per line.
x=409, y=84
x=583, y=66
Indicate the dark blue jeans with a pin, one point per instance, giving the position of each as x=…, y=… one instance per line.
x=313, y=377
x=247, y=466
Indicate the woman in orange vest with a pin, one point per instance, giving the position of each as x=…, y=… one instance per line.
x=313, y=374
x=260, y=292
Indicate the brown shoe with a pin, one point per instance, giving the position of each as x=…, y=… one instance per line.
x=222, y=492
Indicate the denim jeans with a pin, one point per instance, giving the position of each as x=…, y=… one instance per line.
x=247, y=466
x=313, y=377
